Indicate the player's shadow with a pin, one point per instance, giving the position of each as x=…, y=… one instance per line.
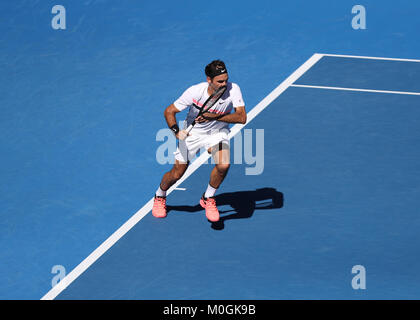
x=243, y=204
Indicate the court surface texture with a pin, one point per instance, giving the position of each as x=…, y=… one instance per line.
x=325, y=174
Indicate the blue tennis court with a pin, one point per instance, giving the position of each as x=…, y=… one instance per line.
x=324, y=177
x=338, y=189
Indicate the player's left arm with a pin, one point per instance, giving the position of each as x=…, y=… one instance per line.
x=239, y=116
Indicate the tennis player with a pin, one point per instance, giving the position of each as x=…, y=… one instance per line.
x=210, y=132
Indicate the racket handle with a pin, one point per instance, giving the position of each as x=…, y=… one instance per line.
x=189, y=128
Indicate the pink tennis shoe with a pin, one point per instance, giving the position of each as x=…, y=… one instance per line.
x=209, y=204
x=159, y=207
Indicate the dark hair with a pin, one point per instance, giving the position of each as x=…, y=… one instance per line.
x=215, y=68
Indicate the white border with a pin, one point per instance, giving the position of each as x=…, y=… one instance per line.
x=118, y=234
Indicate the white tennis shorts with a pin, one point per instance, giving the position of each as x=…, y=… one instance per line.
x=197, y=142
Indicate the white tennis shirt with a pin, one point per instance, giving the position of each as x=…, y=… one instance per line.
x=197, y=94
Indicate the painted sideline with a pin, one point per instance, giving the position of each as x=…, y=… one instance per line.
x=371, y=58
x=120, y=232
x=354, y=89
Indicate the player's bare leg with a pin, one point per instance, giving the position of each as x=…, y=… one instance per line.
x=221, y=155
x=169, y=178
x=172, y=176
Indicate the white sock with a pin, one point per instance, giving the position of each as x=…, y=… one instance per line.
x=160, y=192
x=210, y=191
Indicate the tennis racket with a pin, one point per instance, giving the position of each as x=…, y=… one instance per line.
x=208, y=104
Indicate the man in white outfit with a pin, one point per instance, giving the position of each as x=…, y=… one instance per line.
x=210, y=132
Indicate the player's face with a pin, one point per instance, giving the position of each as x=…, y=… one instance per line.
x=218, y=81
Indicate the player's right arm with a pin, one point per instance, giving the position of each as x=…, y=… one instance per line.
x=170, y=117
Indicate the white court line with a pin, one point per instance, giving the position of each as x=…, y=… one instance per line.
x=276, y=92
x=355, y=89
x=371, y=58
x=108, y=243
